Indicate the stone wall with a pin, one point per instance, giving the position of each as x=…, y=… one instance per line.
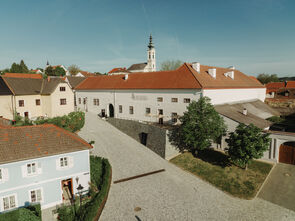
x=156, y=137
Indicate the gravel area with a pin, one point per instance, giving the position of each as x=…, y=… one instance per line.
x=170, y=195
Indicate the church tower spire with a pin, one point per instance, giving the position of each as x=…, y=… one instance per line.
x=151, y=55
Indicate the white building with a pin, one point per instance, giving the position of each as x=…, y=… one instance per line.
x=164, y=95
x=148, y=66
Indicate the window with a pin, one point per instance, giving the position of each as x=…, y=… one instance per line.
x=131, y=111
x=96, y=102
x=147, y=110
x=62, y=88
x=120, y=109
x=37, y=102
x=79, y=100
x=36, y=195
x=9, y=202
x=174, y=100
x=174, y=117
x=63, y=162
x=63, y=101
x=160, y=99
x=21, y=103
x=31, y=168
x=186, y=100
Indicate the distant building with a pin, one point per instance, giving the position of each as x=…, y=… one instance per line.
x=116, y=71
x=148, y=66
x=281, y=90
x=41, y=164
x=32, y=98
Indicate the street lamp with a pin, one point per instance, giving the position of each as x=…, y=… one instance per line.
x=80, y=188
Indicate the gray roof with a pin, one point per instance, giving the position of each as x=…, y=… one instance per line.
x=74, y=81
x=30, y=86
x=139, y=66
x=257, y=112
x=24, y=86
x=4, y=89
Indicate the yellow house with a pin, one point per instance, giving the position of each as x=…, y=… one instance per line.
x=33, y=98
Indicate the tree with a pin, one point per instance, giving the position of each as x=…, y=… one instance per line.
x=49, y=71
x=266, y=78
x=200, y=126
x=246, y=143
x=24, y=67
x=19, y=68
x=59, y=71
x=170, y=65
x=73, y=69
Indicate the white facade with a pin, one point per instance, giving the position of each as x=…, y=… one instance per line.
x=222, y=96
x=173, y=101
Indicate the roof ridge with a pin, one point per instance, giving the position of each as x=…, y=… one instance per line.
x=187, y=66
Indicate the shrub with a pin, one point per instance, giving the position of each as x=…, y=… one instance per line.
x=30, y=213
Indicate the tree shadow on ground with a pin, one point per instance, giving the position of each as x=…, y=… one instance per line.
x=214, y=157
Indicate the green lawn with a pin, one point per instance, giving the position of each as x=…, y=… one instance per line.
x=214, y=167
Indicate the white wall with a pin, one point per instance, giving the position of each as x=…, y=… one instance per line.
x=56, y=108
x=140, y=100
x=221, y=96
x=29, y=105
x=6, y=108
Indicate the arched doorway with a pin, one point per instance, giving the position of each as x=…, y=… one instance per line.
x=111, y=110
x=287, y=153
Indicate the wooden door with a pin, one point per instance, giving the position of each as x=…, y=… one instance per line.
x=287, y=154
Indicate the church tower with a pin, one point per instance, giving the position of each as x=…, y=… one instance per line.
x=151, y=56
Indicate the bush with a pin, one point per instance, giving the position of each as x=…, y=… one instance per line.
x=30, y=213
x=73, y=122
x=100, y=175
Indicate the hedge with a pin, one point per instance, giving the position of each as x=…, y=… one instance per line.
x=30, y=213
x=73, y=122
x=101, y=175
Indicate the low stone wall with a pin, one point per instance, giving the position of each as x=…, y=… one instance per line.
x=156, y=137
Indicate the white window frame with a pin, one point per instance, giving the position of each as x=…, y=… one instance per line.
x=70, y=162
x=62, y=160
x=36, y=169
x=8, y=196
x=41, y=192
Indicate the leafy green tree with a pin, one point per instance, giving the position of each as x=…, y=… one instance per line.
x=73, y=69
x=248, y=142
x=49, y=71
x=200, y=126
x=267, y=78
x=59, y=71
x=170, y=65
x=23, y=67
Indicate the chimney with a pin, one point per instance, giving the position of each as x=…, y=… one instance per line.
x=196, y=66
x=126, y=77
x=212, y=72
x=245, y=111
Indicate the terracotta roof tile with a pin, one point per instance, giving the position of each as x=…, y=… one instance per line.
x=22, y=143
x=185, y=77
x=23, y=75
x=290, y=84
x=118, y=70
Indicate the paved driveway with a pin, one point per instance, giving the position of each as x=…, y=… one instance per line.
x=170, y=195
x=280, y=186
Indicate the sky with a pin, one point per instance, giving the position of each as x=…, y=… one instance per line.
x=255, y=36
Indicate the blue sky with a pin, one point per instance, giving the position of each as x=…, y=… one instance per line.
x=256, y=36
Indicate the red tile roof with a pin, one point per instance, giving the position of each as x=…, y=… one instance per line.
x=185, y=77
x=87, y=74
x=290, y=84
x=274, y=86
x=29, y=142
x=23, y=75
x=116, y=70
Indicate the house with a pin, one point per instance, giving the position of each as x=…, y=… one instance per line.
x=148, y=66
x=37, y=71
x=32, y=98
x=164, y=95
x=115, y=71
x=281, y=90
x=74, y=81
x=41, y=164
x=85, y=74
